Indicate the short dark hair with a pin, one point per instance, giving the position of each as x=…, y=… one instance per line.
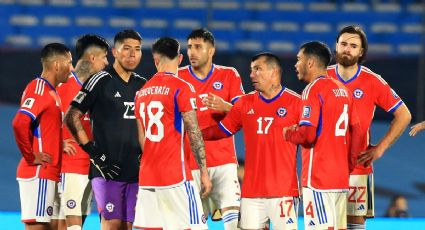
x=202, y=33
x=89, y=40
x=319, y=50
x=353, y=29
x=271, y=59
x=124, y=34
x=53, y=49
x=166, y=46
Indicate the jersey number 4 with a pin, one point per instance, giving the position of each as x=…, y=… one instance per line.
x=342, y=123
x=155, y=111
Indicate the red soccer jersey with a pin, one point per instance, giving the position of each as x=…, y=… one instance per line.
x=270, y=161
x=41, y=102
x=327, y=105
x=369, y=90
x=158, y=106
x=224, y=82
x=80, y=163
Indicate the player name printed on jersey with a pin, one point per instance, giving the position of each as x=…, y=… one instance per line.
x=154, y=90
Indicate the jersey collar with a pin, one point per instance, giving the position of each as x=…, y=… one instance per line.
x=48, y=83
x=274, y=98
x=76, y=78
x=352, y=78
x=197, y=78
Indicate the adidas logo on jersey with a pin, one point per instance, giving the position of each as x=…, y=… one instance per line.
x=117, y=94
x=361, y=207
x=251, y=111
x=311, y=223
x=290, y=221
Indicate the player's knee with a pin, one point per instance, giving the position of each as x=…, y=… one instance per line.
x=356, y=219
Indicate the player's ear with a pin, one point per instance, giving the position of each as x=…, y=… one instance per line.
x=180, y=58
x=211, y=51
x=114, y=52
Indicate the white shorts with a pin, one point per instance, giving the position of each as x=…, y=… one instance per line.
x=361, y=196
x=323, y=210
x=173, y=208
x=282, y=212
x=37, y=200
x=75, y=195
x=225, y=192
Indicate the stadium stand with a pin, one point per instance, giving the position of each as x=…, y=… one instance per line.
x=393, y=27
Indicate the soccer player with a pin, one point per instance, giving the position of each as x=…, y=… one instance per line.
x=37, y=129
x=167, y=197
x=270, y=185
x=216, y=88
x=369, y=90
x=75, y=186
x=108, y=96
x=327, y=118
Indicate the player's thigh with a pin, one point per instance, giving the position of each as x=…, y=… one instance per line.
x=76, y=194
x=253, y=214
x=148, y=214
x=361, y=196
x=226, y=190
x=37, y=199
x=186, y=211
x=329, y=209
x=110, y=198
x=283, y=212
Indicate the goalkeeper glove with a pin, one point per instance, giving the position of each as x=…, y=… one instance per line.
x=100, y=161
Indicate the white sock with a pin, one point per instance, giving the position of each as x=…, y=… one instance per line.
x=356, y=226
x=74, y=227
x=230, y=219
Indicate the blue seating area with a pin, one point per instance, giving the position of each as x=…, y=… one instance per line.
x=393, y=27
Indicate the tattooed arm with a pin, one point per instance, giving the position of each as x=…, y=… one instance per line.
x=73, y=122
x=198, y=148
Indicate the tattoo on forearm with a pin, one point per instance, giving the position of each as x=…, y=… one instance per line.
x=195, y=137
x=73, y=122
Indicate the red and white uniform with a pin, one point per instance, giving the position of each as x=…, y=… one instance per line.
x=369, y=90
x=41, y=102
x=327, y=105
x=222, y=81
x=159, y=105
x=80, y=162
x=270, y=162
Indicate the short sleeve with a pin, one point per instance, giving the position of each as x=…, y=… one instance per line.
x=186, y=97
x=310, y=107
x=86, y=97
x=232, y=122
x=236, y=87
x=34, y=100
x=386, y=98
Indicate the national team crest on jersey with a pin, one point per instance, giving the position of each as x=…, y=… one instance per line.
x=281, y=112
x=217, y=85
x=306, y=111
x=394, y=94
x=358, y=93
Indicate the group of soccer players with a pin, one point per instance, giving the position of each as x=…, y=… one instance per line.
x=159, y=154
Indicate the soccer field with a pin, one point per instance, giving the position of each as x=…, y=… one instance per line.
x=11, y=220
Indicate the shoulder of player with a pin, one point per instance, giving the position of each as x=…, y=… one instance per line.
x=181, y=81
x=139, y=78
x=291, y=93
x=372, y=76
x=97, y=79
x=227, y=70
x=38, y=87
